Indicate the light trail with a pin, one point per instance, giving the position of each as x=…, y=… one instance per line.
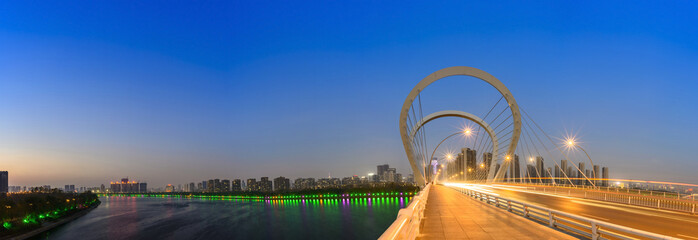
x=595, y=217
x=686, y=236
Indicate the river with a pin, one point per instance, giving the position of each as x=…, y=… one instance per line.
x=185, y=218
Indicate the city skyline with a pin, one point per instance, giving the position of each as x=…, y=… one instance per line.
x=85, y=97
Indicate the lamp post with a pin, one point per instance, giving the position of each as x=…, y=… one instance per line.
x=571, y=143
x=466, y=132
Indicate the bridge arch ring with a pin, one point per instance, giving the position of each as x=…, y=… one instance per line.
x=461, y=114
x=460, y=71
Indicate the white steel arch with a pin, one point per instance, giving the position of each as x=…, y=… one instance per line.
x=461, y=114
x=460, y=71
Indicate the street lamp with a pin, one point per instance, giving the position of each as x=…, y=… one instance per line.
x=466, y=132
x=571, y=143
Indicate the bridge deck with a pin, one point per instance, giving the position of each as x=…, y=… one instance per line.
x=452, y=215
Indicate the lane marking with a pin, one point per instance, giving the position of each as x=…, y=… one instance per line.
x=686, y=236
x=592, y=216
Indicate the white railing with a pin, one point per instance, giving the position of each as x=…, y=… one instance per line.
x=583, y=226
x=406, y=226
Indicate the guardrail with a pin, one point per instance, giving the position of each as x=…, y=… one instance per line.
x=583, y=226
x=623, y=197
x=407, y=224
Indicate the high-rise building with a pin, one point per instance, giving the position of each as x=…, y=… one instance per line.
x=252, y=185
x=389, y=175
x=561, y=171
x=597, y=175
x=282, y=184
x=329, y=183
x=211, y=185
x=126, y=186
x=540, y=169
x=217, y=185
x=69, y=188
x=236, y=185
x=470, y=161
x=199, y=186
x=410, y=178
x=581, y=180
x=304, y=183
x=381, y=169
x=265, y=185
x=225, y=185
x=604, y=175
x=487, y=160
x=4, y=181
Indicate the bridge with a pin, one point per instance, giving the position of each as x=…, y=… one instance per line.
x=497, y=185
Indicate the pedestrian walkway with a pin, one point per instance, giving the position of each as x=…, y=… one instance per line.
x=452, y=215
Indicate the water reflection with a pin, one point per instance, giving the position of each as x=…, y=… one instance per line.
x=194, y=218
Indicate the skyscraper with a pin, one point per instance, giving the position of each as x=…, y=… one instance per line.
x=470, y=156
x=282, y=184
x=265, y=185
x=381, y=169
x=252, y=184
x=487, y=160
x=597, y=174
x=561, y=172
x=236, y=185
x=225, y=185
x=211, y=185
x=4, y=176
x=604, y=175
x=217, y=185
x=540, y=168
x=192, y=187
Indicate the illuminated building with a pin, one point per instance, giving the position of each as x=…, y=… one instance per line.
x=126, y=186
x=225, y=185
x=236, y=185
x=469, y=160
x=330, y=182
x=381, y=169
x=211, y=186
x=304, y=183
x=265, y=185
x=252, y=185
x=282, y=184
x=351, y=181
x=169, y=188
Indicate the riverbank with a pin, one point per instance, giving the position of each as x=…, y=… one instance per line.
x=46, y=226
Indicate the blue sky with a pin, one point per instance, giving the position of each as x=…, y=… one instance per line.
x=170, y=92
